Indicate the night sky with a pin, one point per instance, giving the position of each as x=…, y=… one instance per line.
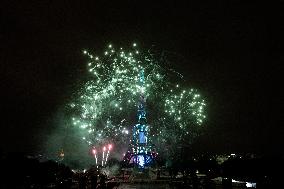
x=222, y=49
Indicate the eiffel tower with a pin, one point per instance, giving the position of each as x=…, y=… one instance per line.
x=140, y=152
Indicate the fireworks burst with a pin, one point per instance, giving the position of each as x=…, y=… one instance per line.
x=105, y=108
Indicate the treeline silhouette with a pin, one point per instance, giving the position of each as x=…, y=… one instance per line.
x=20, y=171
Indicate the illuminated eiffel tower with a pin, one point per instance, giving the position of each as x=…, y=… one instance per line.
x=141, y=152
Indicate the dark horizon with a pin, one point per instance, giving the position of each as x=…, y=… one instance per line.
x=222, y=50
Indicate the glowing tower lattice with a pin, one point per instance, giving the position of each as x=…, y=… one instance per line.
x=140, y=152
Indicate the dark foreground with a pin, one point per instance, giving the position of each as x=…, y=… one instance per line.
x=29, y=172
